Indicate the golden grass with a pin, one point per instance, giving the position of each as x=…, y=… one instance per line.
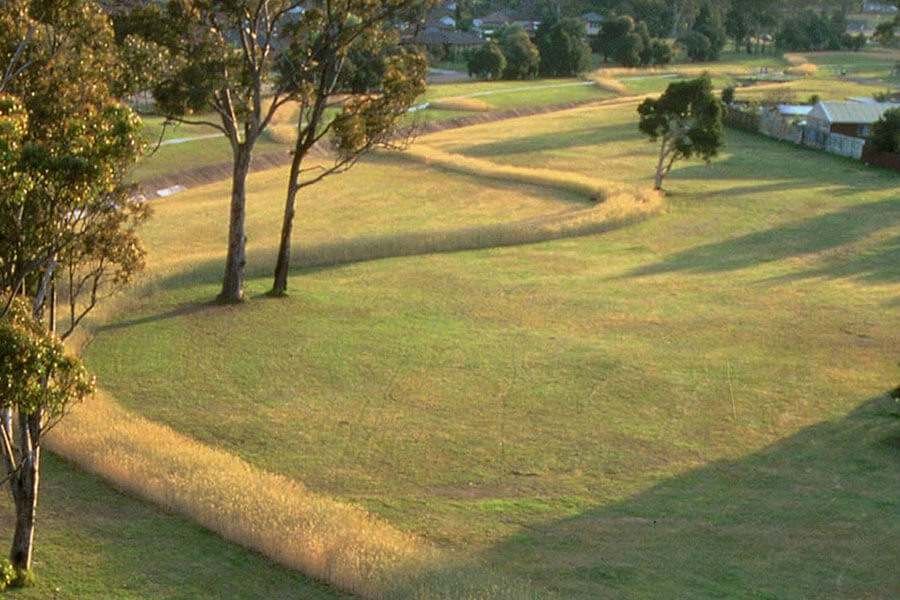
x=463, y=104
x=802, y=70
x=607, y=81
x=590, y=187
x=799, y=65
x=268, y=513
x=795, y=60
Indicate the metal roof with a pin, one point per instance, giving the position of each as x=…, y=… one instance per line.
x=850, y=112
x=794, y=109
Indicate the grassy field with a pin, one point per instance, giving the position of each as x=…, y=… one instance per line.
x=689, y=407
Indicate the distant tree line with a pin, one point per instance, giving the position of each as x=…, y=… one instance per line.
x=558, y=50
x=701, y=28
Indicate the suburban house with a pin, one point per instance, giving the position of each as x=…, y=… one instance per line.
x=491, y=24
x=592, y=23
x=842, y=127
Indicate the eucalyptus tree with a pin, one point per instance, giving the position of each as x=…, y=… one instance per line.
x=66, y=220
x=309, y=70
x=209, y=62
x=687, y=119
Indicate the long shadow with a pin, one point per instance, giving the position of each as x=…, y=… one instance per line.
x=814, y=235
x=184, y=310
x=815, y=515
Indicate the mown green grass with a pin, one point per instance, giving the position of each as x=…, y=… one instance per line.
x=689, y=407
x=94, y=542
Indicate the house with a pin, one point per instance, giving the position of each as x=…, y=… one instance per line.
x=491, y=24
x=592, y=23
x=449, y=42
x=784, y=121
x=842, y=127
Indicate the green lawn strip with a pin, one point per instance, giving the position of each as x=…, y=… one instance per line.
x=487, y=399
x=95, y=542
x=172, y=158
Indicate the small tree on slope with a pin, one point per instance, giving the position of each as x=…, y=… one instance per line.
x=688, y=120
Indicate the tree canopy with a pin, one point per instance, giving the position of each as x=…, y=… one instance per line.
x=687, y=119
x=886, y=132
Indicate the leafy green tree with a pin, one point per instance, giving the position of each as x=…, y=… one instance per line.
x=66, y=219
x=886, y=132
x=487, y=62
x=660, y=52
x=687, y=119
x=522, y=56
x=309, y=70
x=38, y=383
x=607, y=41
x=218, y=56
x=630, y=50
x=564, y=52
x=697, y=46
x=709, y=23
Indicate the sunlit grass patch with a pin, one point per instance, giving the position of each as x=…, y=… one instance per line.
x=462, y=104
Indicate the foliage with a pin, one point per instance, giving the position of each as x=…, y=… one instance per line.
x=886, y=132
x=814, y=31
x=886, y=33
x=36, y=374
x=607, y=41
x=709, y=24
x=688, y=120
x=728, y=95
x=522, y=56
x=750, y=22
x=487, y=62
x=697, y=46
x=564, y=53
x=308, y=72
x=66, y=219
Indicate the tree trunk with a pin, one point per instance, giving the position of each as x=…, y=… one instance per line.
x=283, y=264
x=24, y=485
x=660, y=166
x=233, y=281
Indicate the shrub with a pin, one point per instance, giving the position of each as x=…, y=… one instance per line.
x=487, y=62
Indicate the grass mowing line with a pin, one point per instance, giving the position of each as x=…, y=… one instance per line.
x=271, y=514
x=591, y=187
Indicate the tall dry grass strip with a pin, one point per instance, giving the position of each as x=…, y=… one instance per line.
x=590, y=187
x=799, y=65
x=278, y=517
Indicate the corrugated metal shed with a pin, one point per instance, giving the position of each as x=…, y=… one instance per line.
x=850, y=112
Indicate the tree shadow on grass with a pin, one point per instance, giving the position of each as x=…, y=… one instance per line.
x=815, y=515
x=816, y=235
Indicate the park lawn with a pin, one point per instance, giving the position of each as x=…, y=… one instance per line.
x=95, y=542
x=872, y=63
x=688, y=407
x=503, y=95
